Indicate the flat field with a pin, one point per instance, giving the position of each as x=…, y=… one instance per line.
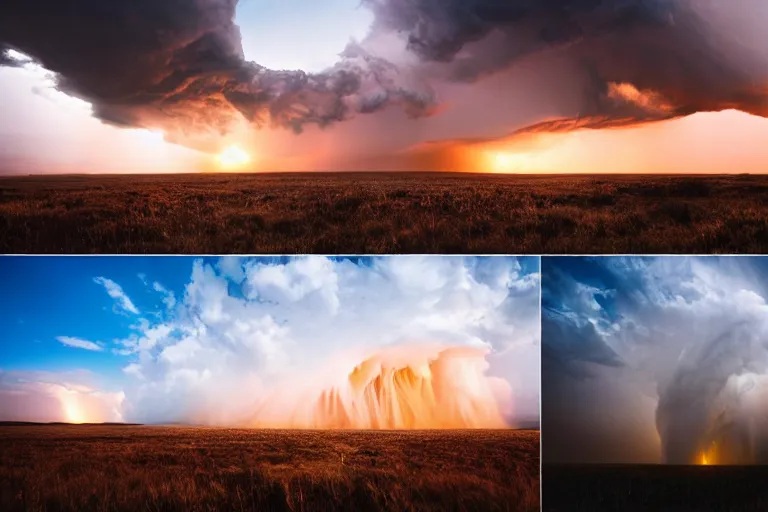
x=383, y=213
x=644, y=487
x=127, y=468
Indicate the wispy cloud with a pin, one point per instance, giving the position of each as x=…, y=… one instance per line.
x=169, y=298
x=78, y=343
x=116, y=292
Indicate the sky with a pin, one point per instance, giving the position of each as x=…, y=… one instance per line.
x=673, y=86
x=301, y=342
x=655, y=360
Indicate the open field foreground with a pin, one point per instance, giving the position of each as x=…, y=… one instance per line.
x=663, y=488
x=379, y=213
x=122, y=468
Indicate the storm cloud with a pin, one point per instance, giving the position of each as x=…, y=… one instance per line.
x=179, y=66
x=667, y=354
x=635, y=59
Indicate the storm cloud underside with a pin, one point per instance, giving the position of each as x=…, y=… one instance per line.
x=179, y=66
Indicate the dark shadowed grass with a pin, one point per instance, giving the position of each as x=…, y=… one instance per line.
x=115, y=468
x=384, y=213
x=664, y=488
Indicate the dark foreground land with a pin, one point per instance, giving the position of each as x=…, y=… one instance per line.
x=114, y=468
x=636, y=488
x=379, y=213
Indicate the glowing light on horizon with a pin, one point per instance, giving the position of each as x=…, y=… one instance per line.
x=405, y=388
x=505, y=161
x=71, y=407
x=233, y=157
x=708, y=457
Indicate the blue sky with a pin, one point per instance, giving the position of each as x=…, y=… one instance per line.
x=154, y=330
x=300, y=34
x=57, y=296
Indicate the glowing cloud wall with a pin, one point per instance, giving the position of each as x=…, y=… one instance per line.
x=306, y=342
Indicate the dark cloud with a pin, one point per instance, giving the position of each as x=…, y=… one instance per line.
x=179, y=65
x=666, y=49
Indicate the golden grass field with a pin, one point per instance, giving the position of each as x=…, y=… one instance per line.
x=126, y=468
x=646, y=487
x=382, y=213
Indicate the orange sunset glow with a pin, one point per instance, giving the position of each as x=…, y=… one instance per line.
x=704, y=143
x=233, y=158
x=412, y=387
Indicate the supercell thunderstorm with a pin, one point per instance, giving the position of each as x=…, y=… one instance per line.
x=179, y=66
x=688, y=334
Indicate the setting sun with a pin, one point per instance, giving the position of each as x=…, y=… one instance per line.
x=233, y=157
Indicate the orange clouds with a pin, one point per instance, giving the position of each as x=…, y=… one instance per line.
x=407, y=387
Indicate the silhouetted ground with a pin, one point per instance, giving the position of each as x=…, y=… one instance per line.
x=662, y=488
x=122, y=468
x=344, y=213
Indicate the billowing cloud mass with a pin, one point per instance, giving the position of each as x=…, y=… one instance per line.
x=655, y=360
x=179, y=66
x=316, y=342
x=271, y=344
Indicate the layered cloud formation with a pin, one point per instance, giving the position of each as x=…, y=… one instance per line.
x=392, y=342
x=179, y=66
x=655, y=359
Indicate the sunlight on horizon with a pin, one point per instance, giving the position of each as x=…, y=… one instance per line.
x=233, y=157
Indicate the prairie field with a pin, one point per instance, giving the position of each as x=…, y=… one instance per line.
x=383, y=213
x=644, y=487
x=126, y=468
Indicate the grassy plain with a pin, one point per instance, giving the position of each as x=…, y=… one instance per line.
x=644, y=487
x=382, y=213
x=126, y=468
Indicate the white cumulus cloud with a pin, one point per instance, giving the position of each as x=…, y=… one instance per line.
x=246, y=329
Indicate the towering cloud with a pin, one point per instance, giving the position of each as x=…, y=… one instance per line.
x=675, y=345
x=321, y=343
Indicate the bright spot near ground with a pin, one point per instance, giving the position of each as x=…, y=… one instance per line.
x=233, y=157
x=513, y=162
x=502, y=161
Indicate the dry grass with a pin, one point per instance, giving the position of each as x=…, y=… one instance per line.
x=383, y=213
x=639, y=488
x=116, y=468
